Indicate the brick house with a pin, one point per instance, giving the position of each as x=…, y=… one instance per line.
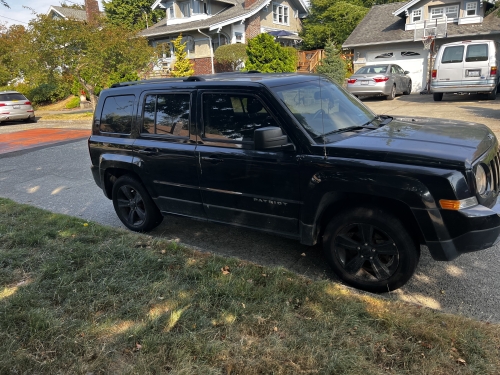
x=393, y=33
x=207, y=24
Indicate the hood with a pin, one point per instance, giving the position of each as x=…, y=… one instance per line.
x=420, y=141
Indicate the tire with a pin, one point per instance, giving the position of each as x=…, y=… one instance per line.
x=134, y=205
x=370, y=249
x=408, y=89
x=392, y=95
x=30, y=119
x=492, y=95
x=438, y=96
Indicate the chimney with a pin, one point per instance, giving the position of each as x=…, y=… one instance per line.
x=92, y=9
x=249, y=3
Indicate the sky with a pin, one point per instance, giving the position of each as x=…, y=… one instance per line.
x=21, y=11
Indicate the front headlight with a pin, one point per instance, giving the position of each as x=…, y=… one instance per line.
x=481, y=180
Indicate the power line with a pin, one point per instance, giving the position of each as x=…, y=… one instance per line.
x=12, y=19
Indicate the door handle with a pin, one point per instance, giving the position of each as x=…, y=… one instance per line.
x=212, y=159
x=148, y=151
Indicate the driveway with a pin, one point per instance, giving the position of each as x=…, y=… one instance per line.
x=469, y=285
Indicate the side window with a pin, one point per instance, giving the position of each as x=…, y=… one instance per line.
x=166, y=114
x=394, y=69
x=453, y=54
x=233, y=118
x=477, y=52
x=116, y=116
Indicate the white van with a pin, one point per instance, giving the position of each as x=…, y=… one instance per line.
x=469, y=66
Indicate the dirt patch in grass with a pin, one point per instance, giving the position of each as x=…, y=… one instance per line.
x=65, y=116
x=79, y=298
x=59, y=106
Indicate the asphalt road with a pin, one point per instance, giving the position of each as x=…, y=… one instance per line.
x=58, y=178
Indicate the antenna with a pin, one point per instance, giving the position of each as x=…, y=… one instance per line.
x=322, y=117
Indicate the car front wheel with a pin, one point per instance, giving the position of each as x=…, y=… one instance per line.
x=134, y=206
x=370, y=249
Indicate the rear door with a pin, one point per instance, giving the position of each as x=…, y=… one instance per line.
x=450, y=70
x=476, y=64
x=165, y=151
x=241, y=185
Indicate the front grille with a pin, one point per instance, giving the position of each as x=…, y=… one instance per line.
x=495, y=173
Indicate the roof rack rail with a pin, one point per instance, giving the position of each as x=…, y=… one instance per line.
x=194, y=79
x=145, y=81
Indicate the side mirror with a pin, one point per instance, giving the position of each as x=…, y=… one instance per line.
x=407, y=72
x=271, y=138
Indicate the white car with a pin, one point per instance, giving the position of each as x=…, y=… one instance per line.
x=15, y=106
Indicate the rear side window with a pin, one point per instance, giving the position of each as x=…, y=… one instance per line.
x=167, y=114
x=453, y=54
x=477, y=52
x=11, y=96
x=116, y=116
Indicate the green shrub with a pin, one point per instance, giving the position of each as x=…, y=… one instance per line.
x=48, y=93
x=333, y=66
x=73, y=103
x=230, y=56
x=267, y=56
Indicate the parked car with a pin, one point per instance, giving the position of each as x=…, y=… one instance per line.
x=15, y=106
x=469, y=66
x=297, y=156
x=385, y=79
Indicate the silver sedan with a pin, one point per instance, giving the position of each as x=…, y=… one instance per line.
x=15, y=106
x=387, y=80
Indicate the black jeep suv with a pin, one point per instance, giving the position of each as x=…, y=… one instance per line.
x=298, y=156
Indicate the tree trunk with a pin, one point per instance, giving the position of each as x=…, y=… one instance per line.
x=90, y=90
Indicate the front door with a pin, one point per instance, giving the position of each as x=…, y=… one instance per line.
x=241, y=185
x=165, y=149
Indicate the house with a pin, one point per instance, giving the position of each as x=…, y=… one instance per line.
x=91, y=11
x=207, y=24
x=393, y=33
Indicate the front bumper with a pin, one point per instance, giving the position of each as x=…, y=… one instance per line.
x=452, y=233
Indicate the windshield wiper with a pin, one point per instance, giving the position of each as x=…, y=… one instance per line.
x=349, y=128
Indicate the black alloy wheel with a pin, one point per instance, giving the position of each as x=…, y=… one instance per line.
x=370, y=249
x=134, y=206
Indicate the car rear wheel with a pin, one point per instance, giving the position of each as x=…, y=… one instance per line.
x=134, y=206
x=30, y=119
x=492, y=95
x=408, y=89
x=438, y=96
x=392, y=95
x=370, y=249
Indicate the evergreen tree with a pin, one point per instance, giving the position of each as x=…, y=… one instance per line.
x=267, y=56
x=333, y=66
x=182, y=65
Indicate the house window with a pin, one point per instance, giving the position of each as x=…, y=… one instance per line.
x=471, y=9
x=409, y=53
x=416, y=15
x=219, y=40
x=280, y=14
x=387, y=55
x=450, y=12
x=170, y=11
x=185, y=9
x=196, y=7
x=238, y=37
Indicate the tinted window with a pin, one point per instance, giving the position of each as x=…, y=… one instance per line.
x=116, y=116
x=11, y=96
x=477, y=52
x=453, y=54
x=167, y=114
x=372, y=69
x=233, y=117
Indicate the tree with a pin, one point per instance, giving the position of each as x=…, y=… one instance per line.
x=96, y=56
x=182, y=65
x=267, y=56
x=10, y=41
x=331, y=20
x=132, y=14
x=333, y=66
x=231, y=55
x=3, y=2
x=73, y=6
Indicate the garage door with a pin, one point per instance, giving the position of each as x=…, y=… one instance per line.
x=413, y=60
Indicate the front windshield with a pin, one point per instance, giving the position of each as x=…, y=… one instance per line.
x=322, y=107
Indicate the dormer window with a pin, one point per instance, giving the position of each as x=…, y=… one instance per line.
x=200, y=7
x=170, y=11
x=451, y=12
x=185, y=9
x=416, y=15
x=471, y=9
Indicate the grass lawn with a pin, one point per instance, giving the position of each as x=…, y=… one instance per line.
x=81, y=298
